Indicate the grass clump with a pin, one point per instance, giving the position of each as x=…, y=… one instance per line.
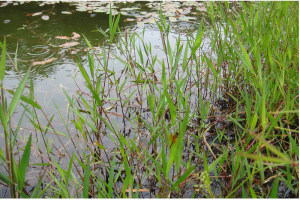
x=218, y=123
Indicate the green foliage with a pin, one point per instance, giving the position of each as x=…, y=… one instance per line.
x=254, y=74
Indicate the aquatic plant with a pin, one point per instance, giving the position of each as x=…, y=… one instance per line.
x=218, y=123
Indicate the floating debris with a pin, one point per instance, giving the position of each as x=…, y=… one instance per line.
x=151, y=14
x=124, y=13
x=133, y=8
x=129, y=20
x=66, y=12
x=63, y=37
x=43, y=62
x=169, y=14
x=75, y=35
x=81, y=9
x=112, y=5
x=172, y=19
x=113, y=12
x=139, y=24
x=4, y=4
x=150, y=20
x=45, y=17
x=69, y=44
x=74, y=52
x=185, y=18
x=101, y=9
x=37, y=13
x=190, y=3
x=202, y=8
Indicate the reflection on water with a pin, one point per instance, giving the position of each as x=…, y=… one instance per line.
x=25, y=24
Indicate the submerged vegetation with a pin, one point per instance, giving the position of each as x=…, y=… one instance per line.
x=217, y=123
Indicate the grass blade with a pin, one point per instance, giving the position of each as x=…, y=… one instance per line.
x=183, y=177
x=111, y=176
x=34, y=193
x=84, y=74
x=269, y=146
x=116, y=22
x=24, y=162
x=17, y=96
x=86, y=180
x=5, y=179
x=26, y=100
x=274, y=192
x=3, y=60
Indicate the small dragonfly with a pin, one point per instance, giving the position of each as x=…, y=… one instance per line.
x=173, y=138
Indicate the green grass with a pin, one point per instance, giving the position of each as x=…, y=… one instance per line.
x=244, y=93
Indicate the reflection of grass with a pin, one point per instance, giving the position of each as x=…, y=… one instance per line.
x=217, y=124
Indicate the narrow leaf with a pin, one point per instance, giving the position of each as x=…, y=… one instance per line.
x=24, y=162
x=86, y=180
x=17, y=96
x=37, y=187
x=26, y=100
x=3, y=60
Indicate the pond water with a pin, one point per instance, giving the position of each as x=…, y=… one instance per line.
x=48, y=37
x=52, y=65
